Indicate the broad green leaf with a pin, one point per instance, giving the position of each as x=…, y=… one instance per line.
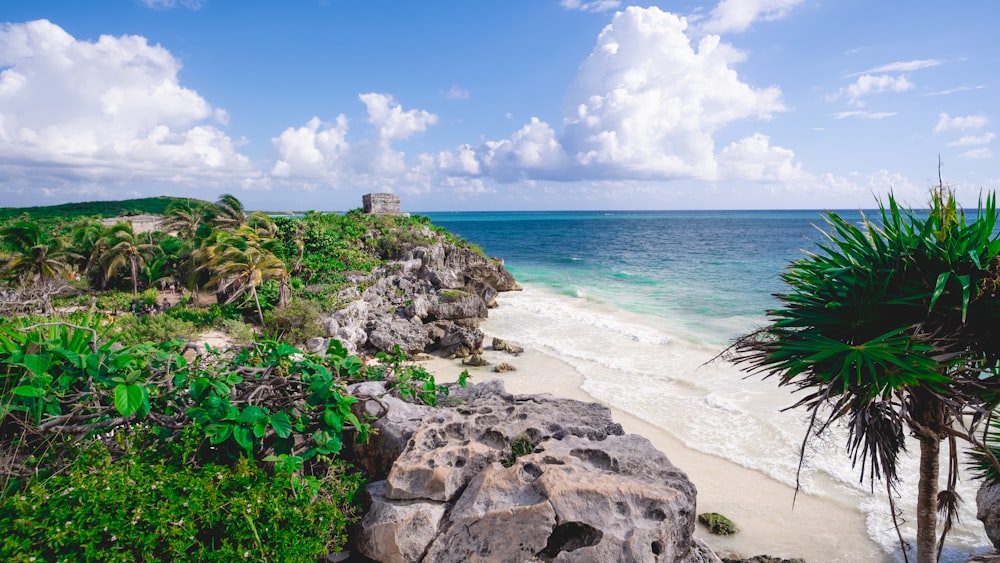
x=243, y=438
x=281, y=424
x=28, y=391
x=128, y=398
x=939, y=287
x=251, y=414
x=37, y=363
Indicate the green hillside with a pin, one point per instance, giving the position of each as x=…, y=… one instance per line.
x=146, y=205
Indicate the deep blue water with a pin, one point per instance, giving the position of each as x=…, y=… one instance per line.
x=713, y=273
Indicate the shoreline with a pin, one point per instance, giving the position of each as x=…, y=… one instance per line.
x=761, y=507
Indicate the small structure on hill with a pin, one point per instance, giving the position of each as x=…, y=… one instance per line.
x=140, y=223
x=381, y=204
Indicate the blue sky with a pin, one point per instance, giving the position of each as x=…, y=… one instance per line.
x=524, y=104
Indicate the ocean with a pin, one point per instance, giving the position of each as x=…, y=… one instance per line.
x=640, y=303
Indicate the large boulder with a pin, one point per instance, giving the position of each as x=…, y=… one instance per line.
x=384, y=334
x=530, y=478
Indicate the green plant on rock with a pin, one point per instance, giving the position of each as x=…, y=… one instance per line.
x=717, y=524
x=411, y=381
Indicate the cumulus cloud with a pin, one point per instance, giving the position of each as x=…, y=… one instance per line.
x=734, y=16
x=321, y=151
x=754, y=159
x=591, y=6
x=645, y=104
x=868, y=84
x=111, y=110
x=962, y=123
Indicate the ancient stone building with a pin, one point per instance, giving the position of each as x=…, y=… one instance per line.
x=381, y=204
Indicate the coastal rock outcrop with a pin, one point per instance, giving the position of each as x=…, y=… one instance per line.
x=502, y=477
x=430, y=298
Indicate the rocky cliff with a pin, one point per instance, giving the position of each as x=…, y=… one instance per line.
x=431, y=298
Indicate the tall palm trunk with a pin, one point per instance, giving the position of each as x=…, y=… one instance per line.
x=135, y=275
x=929, y=421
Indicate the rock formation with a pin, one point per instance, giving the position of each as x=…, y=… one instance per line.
x=498, y=477
x=988, y=511
x=430, y=298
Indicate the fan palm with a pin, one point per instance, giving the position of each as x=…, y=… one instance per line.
x=890, y=328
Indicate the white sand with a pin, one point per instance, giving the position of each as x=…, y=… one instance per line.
x=817, y=529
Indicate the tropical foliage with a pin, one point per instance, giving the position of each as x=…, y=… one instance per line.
x=891, y=328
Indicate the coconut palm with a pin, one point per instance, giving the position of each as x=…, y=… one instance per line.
x=891, y=328
x=126, y=249
x=239, y=271
x=34, y=255
x=184, y=218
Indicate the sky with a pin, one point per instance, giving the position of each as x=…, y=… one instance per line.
x=515, y=105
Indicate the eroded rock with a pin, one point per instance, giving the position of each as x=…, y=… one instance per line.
x=535, y=478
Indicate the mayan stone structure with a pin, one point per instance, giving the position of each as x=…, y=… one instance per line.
x=381, y=204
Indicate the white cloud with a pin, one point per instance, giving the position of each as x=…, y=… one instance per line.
x=111, y=111
x=982, y=153
x=864, y=114
x=591, y=6
x=955, y=90
x=321, y=152
x=868, y=84
x=754, y=159
x=972, y=140
x=901, y=66
x=457, y=93
x=946, y=123
x=171, y=4
x=738, y=15
x=645, y=105
x=393, y=123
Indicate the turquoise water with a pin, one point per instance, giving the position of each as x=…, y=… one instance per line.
x=709, y=274
x=638, y=304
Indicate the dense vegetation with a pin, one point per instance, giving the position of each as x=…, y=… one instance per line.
x=114, y=446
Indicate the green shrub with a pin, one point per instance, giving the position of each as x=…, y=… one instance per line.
x=106, y=509
x=133, y=329
x=296, y=322
x=240, y=331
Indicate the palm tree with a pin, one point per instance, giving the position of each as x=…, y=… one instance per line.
x=35, y=255
x=127, y=249
x=891, y=328
x=184, y=219
x=238, y=271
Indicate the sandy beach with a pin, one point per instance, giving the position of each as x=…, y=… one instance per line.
x=817, y=529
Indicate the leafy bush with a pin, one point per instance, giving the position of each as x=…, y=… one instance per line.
x=111, y=509
x=238, y=330
x=296, y=322
x=133, y=329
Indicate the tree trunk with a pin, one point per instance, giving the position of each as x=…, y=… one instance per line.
x=260, y=315
x=930, y=448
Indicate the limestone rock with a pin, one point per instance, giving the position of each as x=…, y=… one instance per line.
x=578, y=489
x=501, y=345
x=459, y=342
x=988, y=511
x=393, y=532
x=504, y=367
x=475, y=360
x=385, y=335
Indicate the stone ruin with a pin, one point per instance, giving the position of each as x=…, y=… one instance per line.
x=381, y=204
